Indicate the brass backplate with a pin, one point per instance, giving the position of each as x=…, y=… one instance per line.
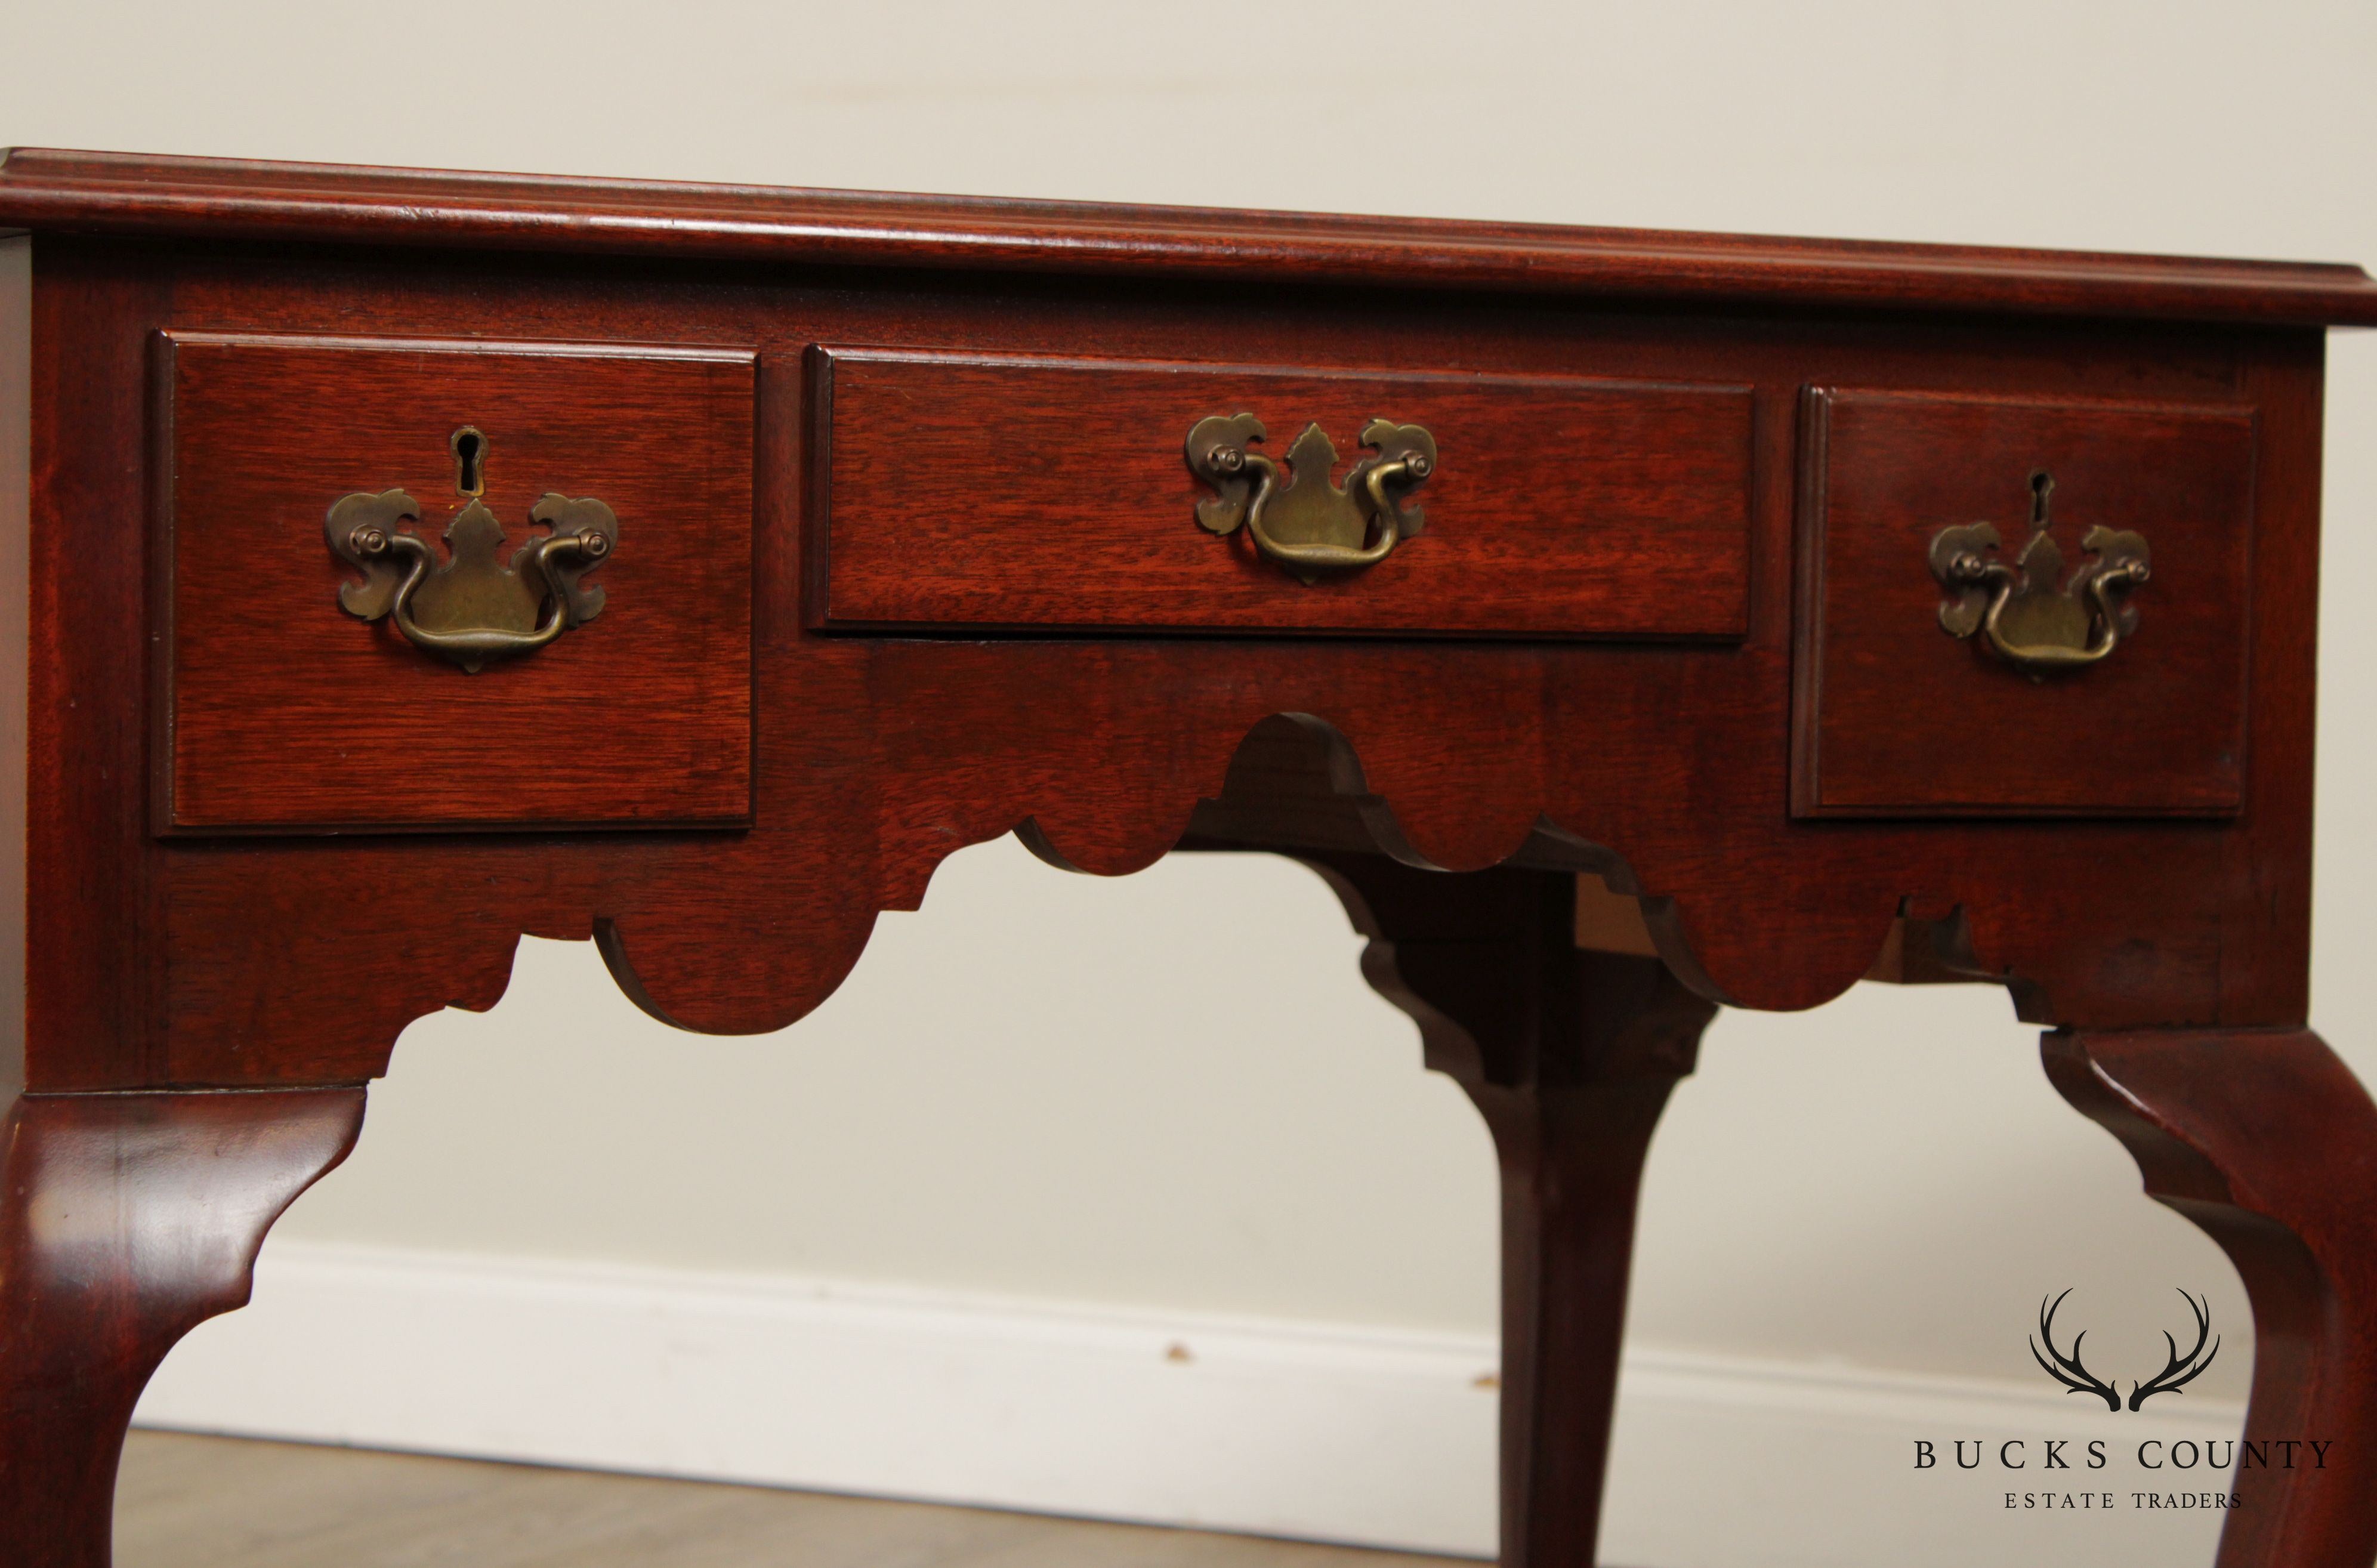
x=471, y=607
x=1300, y=518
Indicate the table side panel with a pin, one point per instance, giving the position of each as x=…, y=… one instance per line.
x=97, y=982
x=2266, y=925
x=16, y=507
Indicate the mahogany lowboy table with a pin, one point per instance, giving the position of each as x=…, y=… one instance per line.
x=1625, y=624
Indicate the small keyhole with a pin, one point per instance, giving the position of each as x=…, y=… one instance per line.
x=470, y=460
x=2042, y=486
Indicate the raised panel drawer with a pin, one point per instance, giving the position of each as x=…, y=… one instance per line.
x=967, y=493
x=284, y=711
x=1898, y=715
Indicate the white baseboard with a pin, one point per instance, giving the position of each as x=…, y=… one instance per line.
x=1320, y=1430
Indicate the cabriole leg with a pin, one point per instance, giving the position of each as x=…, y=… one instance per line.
x=1571, y=1055
x=2266, y=1140
x=125, y=1220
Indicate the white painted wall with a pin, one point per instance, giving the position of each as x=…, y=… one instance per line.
x=1171, y=1092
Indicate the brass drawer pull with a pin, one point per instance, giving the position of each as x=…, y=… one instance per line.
x=471, y=609
x=2034, y=618
x=1303, y=522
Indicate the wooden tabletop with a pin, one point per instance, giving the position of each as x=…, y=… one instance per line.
x=114, y=193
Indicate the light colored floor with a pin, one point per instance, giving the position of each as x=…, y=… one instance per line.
x=215, y=1503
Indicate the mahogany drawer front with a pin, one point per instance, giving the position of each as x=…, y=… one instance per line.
x=1895, y=715
x=970, y=493
x=282, y=710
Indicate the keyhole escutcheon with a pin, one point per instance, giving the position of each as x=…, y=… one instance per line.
x=469, y=445
x=2042, y=489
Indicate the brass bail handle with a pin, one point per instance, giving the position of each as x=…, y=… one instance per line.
x=471, y=609
x=1299, y=517
x=2027, y=612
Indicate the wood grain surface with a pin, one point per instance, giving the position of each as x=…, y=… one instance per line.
x=15, y=641
x=125, y=1220
x=960, y=491
x=641, y=342
x=140, y=195
x=283, y=711
x=1571, y=1056
x=2267, y=1142
x=1665, y=768
x=1897, y=716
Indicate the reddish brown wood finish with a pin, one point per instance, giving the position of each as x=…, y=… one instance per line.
x=183, y=959
x=125, y=1220
x=960, y=491
x=104, y=193
x=15, y=531
x=2267, y=1142
x=874, y=758
x=1571, y=1056
x=283, y=711
x=1898, y=717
